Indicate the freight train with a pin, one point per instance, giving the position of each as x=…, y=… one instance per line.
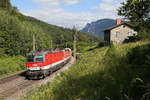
x=42, y=63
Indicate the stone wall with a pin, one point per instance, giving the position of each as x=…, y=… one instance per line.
x=119, y=34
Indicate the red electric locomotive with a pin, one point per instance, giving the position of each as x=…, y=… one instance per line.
x=43, y=63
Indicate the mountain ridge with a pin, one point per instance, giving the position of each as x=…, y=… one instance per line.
x=97, y=27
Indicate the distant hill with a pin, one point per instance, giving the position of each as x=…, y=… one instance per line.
x=16, y=32
x=98, y=27
x=59, y=34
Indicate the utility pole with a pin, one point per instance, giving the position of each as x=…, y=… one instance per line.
x=66, y=44
x=74, y=44
x=6, y=13
x=33, y=42
x=51, y=44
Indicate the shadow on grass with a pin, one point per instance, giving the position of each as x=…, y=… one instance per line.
x=93, y=48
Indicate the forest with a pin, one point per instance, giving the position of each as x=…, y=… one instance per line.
x=16, y=37
x=16, y=32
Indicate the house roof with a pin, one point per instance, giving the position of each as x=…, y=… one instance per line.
x=125, y=23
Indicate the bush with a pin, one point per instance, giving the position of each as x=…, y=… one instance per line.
x=101, y=44
x=131, y=39
x=144, y=34
x=11, y=64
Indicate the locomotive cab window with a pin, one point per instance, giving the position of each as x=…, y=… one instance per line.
x=39, y=59
x=30, y=59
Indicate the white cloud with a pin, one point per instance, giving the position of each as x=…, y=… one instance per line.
x=52, y=12
x=108, y=7
x=70, y=2
x=62, y=18
x=108, y=1
x=56, y=2
x=105, y=7
x=51, y=3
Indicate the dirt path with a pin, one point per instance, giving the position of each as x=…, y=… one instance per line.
x=14, y=86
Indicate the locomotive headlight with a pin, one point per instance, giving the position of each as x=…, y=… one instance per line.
x=33, y=68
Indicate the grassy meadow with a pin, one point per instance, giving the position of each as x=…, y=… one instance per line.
x=108, y=73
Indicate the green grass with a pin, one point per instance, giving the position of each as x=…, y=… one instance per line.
x=116, y=73
x=9, y=65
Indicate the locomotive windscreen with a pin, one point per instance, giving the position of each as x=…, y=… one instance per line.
x=39, y=59
x=30, y=58
x=35, y=59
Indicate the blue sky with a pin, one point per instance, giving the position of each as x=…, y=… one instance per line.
x=68, y=13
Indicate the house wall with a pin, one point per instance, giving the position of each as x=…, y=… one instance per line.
x=119, y=34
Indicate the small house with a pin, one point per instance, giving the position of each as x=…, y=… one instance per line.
x=119, y=33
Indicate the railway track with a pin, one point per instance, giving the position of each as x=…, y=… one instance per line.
x=11, y=77
x=11, y=84
x=10, y=91
x=6, y=79
x=12, y=87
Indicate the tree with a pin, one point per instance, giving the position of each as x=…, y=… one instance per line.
x=138, y=12
x=135, y=10
x=5, y=4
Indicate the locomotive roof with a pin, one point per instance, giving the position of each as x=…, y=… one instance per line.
x=42, y=52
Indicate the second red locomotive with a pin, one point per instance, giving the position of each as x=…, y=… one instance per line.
x=43, y=63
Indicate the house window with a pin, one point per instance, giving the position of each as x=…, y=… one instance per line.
x=117, y=34
x=129, y=34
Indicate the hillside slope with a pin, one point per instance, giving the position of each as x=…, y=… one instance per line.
x=98, y=27
x=109, y=73
x=17, y=31
x=16, y=37
x=59, y=34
